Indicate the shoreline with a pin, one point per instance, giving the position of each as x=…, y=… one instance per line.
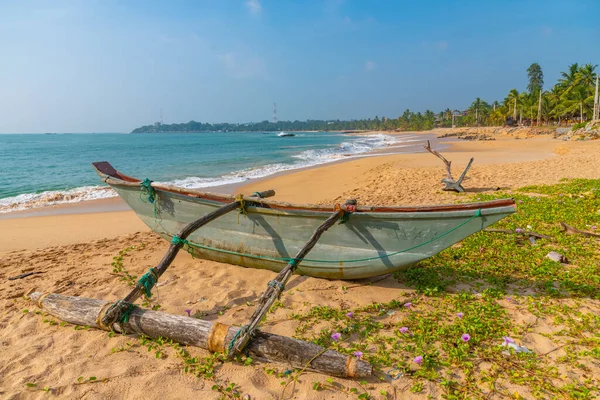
x=448, y=145
x=382, y=179
x=114, y=204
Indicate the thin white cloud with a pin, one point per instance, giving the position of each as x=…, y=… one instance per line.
x=369, y=65
x=254, y=6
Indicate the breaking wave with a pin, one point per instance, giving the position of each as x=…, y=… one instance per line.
x=306, y=158
x=44, y=199
x=358, y=146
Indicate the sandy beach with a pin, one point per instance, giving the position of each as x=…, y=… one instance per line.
x=72, y=254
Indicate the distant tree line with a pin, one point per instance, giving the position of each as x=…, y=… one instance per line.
x=570, y=100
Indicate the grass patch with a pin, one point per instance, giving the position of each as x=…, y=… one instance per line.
x=490, y=287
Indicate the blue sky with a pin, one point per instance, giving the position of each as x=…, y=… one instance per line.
x=110, y=66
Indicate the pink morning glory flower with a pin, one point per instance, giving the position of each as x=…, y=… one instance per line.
x=460, y=315
x=336, y=336
x=404, y=329
x=350, y=314
x=594, y=227
x=188, y=312
x=358, y=354
x=418, y=360
x=519, y=230
x=507, y=340
x=465, y=337
x=408, y=305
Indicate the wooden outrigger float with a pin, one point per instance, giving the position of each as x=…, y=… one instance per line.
x=365, y=243
x=208, y=335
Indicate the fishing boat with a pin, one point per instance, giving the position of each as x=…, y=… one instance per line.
x=253, y=231
x=263, y=233
x=286, y=134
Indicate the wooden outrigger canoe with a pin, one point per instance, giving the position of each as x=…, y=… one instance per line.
x=375, y=240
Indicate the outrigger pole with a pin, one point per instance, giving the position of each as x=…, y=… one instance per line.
x=277, y=285
x=122, y=307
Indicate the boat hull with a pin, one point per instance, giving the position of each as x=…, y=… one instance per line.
x=267, y=237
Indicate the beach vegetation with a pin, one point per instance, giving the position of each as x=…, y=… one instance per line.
x=568, y=101
x=474, y=307
x=470, y=320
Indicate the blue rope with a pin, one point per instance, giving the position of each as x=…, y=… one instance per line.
x=147, y=281
x=242, y=329
x=148, y=190
x=124, y=316
x=178, y=240
x=276, y=284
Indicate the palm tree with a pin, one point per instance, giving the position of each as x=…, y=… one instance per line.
x=577, y=100
x=447, y=113
x=586, y=75
x=512, y=99
x=552, y=104
x=569, y=79
x=476, y=104
x=526, y=105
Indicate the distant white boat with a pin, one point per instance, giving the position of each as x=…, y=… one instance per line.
x=285, y=134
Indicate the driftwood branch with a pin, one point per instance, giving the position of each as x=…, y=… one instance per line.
x=441, y=157
x=530, y=234
x=450, y=183
x=209, y=335
x=574, y=231
x=25, y=275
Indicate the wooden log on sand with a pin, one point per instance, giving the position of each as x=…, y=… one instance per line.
x=212, y=336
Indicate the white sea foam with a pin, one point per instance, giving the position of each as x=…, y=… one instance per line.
x=358, y=146
x=307, y=158
x=44, y=199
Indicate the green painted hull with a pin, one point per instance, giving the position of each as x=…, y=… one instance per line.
x=265, y=237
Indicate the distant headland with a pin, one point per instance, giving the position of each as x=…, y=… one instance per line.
x=573, y=99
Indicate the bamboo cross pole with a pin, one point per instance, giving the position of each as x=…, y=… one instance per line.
x=212, y=336
x=277, y=285
x=113, y=313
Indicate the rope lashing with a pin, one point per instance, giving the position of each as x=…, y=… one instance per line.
x=349, y=208
x=178, y=240
x=240, y=199
x=183, y=242
x=147, y=281
x=124, y=317
x=148, y=190
x=243, y=329
x=124, y=310
x=276, y=284
x=288, y=259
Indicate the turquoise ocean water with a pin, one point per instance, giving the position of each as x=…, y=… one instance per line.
x=37, y=170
